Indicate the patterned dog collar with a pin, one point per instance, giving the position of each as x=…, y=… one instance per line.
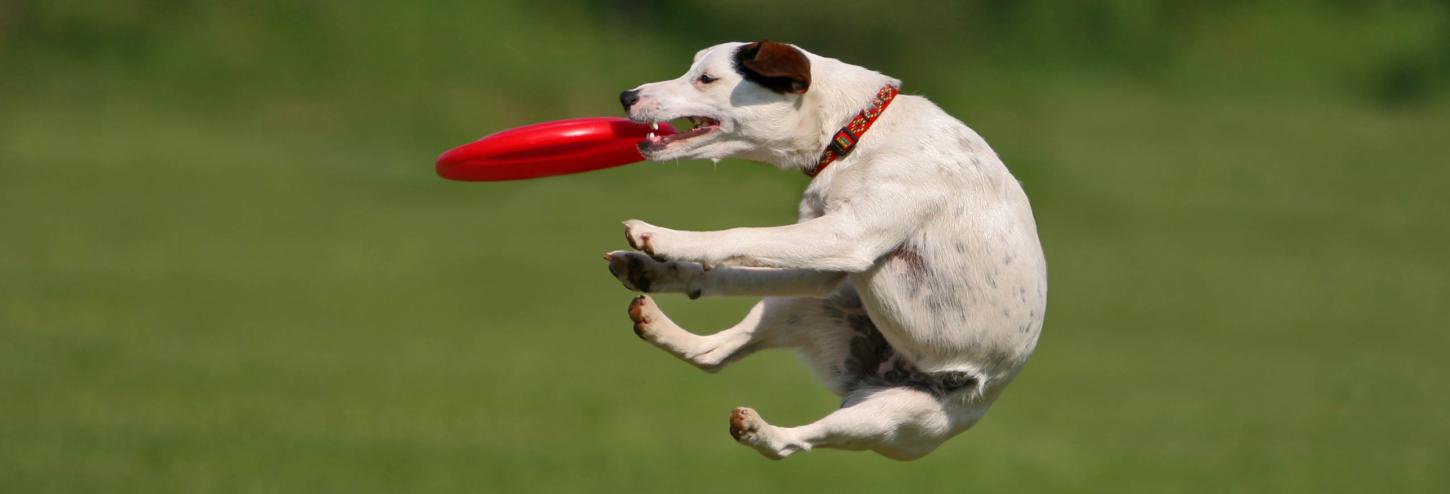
x=845, y=139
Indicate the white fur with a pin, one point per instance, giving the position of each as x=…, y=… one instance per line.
x=922, y=222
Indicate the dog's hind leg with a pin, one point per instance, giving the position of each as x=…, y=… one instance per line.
x=901, y=423
x=773, y=322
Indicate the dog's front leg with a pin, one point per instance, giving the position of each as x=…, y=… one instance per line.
x=642, y=273
x=839, y=242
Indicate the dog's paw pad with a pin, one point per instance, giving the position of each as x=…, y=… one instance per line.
x=749, y=429
x=633, y=269
x=629, y=236
x=744, y=424
x=643, y=312
x=638, y=238
x=645, y=246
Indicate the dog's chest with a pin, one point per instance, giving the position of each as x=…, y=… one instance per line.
x=812, y=206
x=818, y=197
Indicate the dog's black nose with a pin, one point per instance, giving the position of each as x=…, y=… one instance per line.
x=628, y=98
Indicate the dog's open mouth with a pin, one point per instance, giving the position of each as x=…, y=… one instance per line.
x=697, y=126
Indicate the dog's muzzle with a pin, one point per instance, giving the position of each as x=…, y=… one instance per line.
x=629, y=98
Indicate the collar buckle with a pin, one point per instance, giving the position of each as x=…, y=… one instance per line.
x=843, y=142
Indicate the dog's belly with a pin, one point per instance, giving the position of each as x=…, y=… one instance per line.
x=966, y=294
x=852, y=353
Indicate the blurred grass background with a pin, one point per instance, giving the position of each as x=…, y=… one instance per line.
x=226, y=264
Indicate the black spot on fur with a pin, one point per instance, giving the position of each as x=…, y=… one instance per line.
x=862, y=324
x=868, y=351
x=936, y=304
x=842, y=301
x=872, y=362
x=955, y=380
x=637, y=275
x=967, y=143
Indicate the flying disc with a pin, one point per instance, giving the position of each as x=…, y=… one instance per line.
x=550, y=148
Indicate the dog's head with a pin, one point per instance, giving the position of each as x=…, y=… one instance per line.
x=743, y=100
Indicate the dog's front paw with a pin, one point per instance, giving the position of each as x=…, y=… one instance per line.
x=642, y=273
x=664, y=244
x=642, y=236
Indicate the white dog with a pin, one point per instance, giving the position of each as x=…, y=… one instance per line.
x=914, y=282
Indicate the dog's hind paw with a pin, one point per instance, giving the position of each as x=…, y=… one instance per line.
x=744, y=423
x=646, y=316
x=749, y=429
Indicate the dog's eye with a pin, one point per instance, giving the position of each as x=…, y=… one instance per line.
x=706, y=79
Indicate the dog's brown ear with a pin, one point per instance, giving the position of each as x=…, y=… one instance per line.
x=777, y=66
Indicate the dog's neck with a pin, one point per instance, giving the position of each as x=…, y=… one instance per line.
x=838, y=92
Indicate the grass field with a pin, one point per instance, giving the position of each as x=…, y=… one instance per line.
x=226, y=265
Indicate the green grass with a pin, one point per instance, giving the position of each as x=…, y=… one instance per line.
x=240, y=274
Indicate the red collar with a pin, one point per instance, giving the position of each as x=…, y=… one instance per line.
x=845, y=139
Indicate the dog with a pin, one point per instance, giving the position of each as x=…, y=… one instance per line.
x=914, y=282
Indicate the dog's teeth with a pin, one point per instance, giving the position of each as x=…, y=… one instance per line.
x=650, y=136
x=654, y=126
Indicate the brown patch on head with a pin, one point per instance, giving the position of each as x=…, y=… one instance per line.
x=777, y=66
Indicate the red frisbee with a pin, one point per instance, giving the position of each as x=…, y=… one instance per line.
x=550, y=148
